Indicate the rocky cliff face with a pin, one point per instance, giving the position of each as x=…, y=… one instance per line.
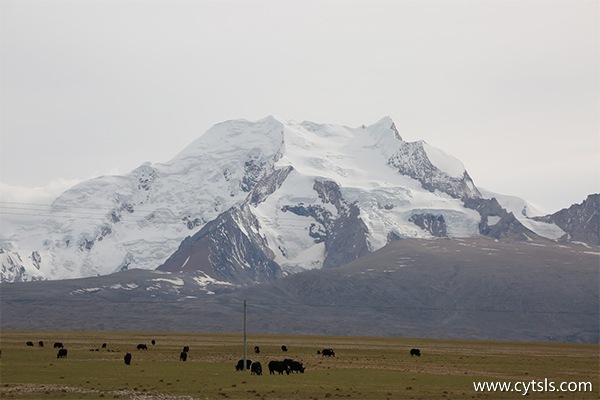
x=412, y=160
x=434, y=224
x=346, y=235
x=227, y=249
x=581, y=222
x=498, y=223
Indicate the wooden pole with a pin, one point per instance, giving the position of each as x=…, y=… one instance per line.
x=245, y=352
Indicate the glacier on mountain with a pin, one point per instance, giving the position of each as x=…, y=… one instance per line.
x=294, y=184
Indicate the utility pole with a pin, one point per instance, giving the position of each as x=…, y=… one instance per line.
x=245, y=352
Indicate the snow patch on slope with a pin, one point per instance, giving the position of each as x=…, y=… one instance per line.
x=446, y=163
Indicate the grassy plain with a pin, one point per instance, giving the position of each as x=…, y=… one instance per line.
x=363, y=367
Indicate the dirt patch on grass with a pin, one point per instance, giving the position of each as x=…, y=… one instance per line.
x=28, y=390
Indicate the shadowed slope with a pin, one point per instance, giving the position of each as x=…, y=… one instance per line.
x=475, y=288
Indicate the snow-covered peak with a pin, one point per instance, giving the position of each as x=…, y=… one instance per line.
x=351, y=156
x=385, y=125
x=234, y=136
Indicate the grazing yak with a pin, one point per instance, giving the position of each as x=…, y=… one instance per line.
x=142, y=346
x=327, y=352
x=240, y=365
x=127, y=358
x=415, y=352
x=283, y=348
x=58, y=345
x=29, y=344
x=153, y=342
x=256, y=349
x=103, y=345
x=294, y=366
x=278, y=366
x=183, y=356
x=256, y=368
x=41, y=343
x=62, y=353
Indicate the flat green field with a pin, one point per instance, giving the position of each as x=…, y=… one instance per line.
x=363, y=368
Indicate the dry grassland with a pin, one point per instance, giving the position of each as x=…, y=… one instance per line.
x=363, y=367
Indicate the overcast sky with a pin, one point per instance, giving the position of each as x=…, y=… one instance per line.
x=510, y=88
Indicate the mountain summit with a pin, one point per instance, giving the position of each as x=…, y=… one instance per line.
x=248, y=202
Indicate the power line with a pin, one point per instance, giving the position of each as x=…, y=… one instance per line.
x=70, y=212
x=52, y=215
x=64, y=214
x=52, y=210
x=418, y=308
x=57, y=207
x=45, y=205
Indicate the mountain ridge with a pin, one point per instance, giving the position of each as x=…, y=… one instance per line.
x=288, y=196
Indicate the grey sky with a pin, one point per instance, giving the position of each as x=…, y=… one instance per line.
x=511, y=88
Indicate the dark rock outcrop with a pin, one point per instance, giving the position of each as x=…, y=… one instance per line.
x=228, y=249
x=411, y=160
x=434, y=224
x=580, y=221
x=506, y=227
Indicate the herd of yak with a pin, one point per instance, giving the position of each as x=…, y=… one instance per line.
x=286, y=366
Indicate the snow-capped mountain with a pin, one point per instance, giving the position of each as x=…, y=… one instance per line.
x=249, y=202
